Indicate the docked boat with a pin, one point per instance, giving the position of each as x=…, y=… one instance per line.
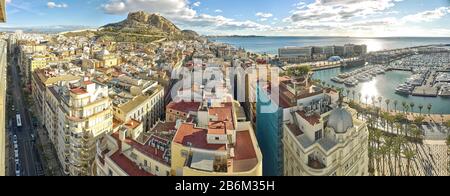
x=404, y=89
x=337, y=80
x=351, y=82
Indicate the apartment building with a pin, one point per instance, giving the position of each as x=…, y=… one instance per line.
x=3, y=72
x=131, y=152
x=219, y=142
x=322, y=141
x=75, y=116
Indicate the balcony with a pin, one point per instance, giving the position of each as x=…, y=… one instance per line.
x=315, y=163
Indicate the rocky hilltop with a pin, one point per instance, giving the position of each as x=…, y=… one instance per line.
x=142, y=26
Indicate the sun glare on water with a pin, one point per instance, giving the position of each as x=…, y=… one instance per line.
x=369, y=90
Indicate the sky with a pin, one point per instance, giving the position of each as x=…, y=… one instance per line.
x=358, y=18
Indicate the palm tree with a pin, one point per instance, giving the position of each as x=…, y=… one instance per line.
x=420, y=108
x=429, y=108
x=359, y=97
x=409, y=155
x=412, y=104
x=348, y=93
x=395, y=104
x=367, y=98
x=353, y=93
x=373, y=101
x=404, y=106
x=388, y=101
x=380, y=101
x=399, y=127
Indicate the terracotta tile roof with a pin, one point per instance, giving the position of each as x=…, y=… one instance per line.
x=244, y=146
x=182, y=106
x=164, y=126
x=224, y=114
x=313, y=119
x=295, y=129
x=132, y=124
x=144, y=148
x=189, y=134
x=127, y=165
x=78, y=91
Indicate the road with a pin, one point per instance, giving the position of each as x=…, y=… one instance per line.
x=28, y=154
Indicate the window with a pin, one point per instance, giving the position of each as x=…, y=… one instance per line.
x=217, y=138
x=110, y=173
x=145, y=163
x=318, y=135
x=157, y=168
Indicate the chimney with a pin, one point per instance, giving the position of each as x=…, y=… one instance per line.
x=122, y=135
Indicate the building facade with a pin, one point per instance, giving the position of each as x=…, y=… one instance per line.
x=75, y=116
x=218, y=143
x=3, y=83
x=323, y=142
x=130, y=152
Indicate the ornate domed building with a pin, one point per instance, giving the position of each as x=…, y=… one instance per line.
x=325, y=139
x=340, y=120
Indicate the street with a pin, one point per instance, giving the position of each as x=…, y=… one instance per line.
x=28, y=155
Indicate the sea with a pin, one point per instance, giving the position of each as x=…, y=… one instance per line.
x=382, y=85
x=270, y=45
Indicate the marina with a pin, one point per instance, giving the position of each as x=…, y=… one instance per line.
x=385, y=85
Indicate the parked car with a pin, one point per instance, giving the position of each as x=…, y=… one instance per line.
x=17, y=169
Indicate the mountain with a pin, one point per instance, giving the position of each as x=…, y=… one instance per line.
x=145, y=27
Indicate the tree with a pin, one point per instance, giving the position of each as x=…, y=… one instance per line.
x=404, y=106
x=380, y=101
x=447, y=124
x=411, y=105
x=301, y=71
x=367, y=99
x=359, y=97
x=420, y=108
x=388, y=101
x=429, y=108
x=395, y=104
x=409, y=156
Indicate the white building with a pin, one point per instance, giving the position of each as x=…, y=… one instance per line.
x=319, y=142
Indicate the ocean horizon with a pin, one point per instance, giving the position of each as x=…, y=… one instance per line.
x=271, y=44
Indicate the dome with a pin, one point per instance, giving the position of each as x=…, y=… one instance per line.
x=340, y=120
x=335, y=58
x=104, y=52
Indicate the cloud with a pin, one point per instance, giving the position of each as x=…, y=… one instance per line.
x=338, y=10
x=179, y=11
x=218, y=11
x=264, y=15
x=196, y=4
x=427, y=16
x=52, y=5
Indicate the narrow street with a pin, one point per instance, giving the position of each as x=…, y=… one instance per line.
x=28, y=155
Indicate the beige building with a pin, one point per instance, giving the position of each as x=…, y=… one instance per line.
x=130, y=152
x=42, y=79
x=180, y=110
x=75, y=116
x=2, y=11
x=221, y=143
x=146, y=108
x=107, y=59
x=3, y=65
x=322, y=142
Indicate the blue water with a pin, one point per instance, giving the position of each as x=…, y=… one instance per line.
x=270, y=45
x=383, y=85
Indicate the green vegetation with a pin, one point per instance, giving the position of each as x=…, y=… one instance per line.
x=298, y=71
